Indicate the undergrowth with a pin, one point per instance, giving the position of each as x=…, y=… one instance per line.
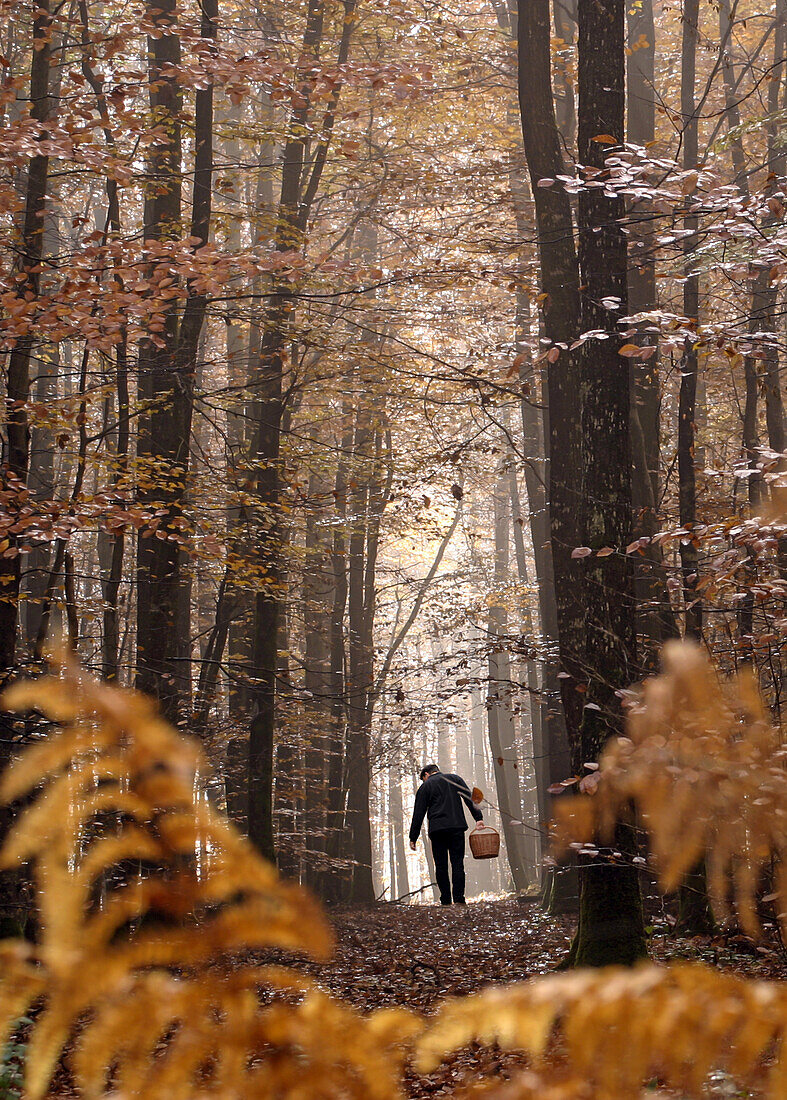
x=147, y=898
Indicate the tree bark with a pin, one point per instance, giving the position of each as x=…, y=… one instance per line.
x=656, y=622
x=167, y=371
x=13, y=899
x=367, y=501
x=500, y=703
x=299, y=186
x=687, y=402
x=611, y=927
x=319, y=586
x=560, y=318
x=333, y=877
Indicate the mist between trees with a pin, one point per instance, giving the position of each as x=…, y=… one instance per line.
x=386, y=382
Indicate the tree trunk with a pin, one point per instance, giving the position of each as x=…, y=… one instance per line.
x=551, y=754
x=366, y=504
x=656, y=622
x=397, y=826
x=319, y=586
x=13, y=899
x=766, y=294
x=500, y=713
x=168, y=366
x=687, y=403
x=299, y=185
x=530, y=713
x=565, y=15
x=611, y=927
x=560, y=316
x=332, y=882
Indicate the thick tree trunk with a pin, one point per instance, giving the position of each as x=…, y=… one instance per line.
x=550, y=742
x=565, y=15
x=611, y=927
x=167, y=371
x=162, y=447
x=560, y=315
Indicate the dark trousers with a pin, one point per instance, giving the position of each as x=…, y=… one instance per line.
x=445, y=843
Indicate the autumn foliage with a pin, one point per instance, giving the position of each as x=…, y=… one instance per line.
x=144, y=892
x=706, y=768
x=148, y=899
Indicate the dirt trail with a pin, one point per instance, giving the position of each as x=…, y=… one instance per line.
x=416, y=955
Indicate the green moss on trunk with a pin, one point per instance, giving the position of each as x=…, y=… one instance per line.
x=561, y=891
x=611, y=927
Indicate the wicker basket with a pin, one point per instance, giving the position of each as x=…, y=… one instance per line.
x=484, y=842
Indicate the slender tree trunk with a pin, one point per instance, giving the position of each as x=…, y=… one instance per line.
x=318, y=599
x=111, y=544
x=299, y=186
x=13, y=902
x=367, y=502
x=486, y=875
x=656, y=622
x=694, y=910
x=500, y=713
x=397, y=825
x=687, y=404
x=427, y=846
x=288, y=763
x=765, y=297
x=331, y=885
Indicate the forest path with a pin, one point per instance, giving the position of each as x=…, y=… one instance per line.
x=415, y=955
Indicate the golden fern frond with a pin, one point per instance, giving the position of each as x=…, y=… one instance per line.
x=619, y=1027
x=706, y=768
x=318, y=1045
x=22, y=984
x=112, y=831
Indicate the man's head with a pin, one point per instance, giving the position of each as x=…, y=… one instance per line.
x=427, y=770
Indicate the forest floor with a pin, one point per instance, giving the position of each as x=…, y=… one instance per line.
x=416, y=955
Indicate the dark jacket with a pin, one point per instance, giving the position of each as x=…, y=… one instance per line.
x=440, y=799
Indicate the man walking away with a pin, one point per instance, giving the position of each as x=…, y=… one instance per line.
x=440, y=799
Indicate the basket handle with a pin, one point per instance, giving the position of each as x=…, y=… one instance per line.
x=481, y=828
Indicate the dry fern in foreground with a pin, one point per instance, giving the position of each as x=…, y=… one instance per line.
x=708, y=773
x=135, y=927
x=144, y=891
x=617, y=1028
